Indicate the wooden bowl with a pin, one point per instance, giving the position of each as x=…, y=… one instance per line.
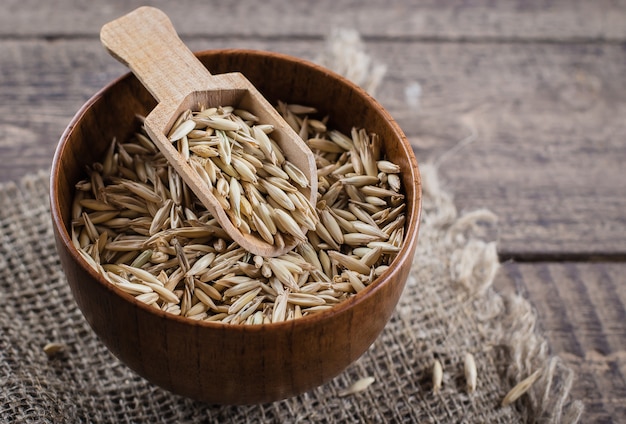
x=221, y=363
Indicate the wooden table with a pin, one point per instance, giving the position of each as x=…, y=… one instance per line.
x=540, y=86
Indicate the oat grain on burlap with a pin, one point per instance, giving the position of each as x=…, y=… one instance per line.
x=447, y=309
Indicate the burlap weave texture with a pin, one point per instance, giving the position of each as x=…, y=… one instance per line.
x=447, y=309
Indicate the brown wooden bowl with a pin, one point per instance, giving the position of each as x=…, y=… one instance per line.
x=221, y=363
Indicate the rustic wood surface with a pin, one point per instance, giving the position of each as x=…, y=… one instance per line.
x=538, y=88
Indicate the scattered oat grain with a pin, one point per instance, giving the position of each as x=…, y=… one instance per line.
x=521, y=388
x=358, y=386
x=470, y=372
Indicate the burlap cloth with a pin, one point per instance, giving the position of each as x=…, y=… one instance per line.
x=448, y=308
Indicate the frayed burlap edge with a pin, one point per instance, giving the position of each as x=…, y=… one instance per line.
x=509, y=321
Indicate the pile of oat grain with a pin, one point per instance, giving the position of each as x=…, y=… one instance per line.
x=138, y=224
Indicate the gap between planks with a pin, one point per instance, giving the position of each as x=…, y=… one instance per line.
x=434, y=39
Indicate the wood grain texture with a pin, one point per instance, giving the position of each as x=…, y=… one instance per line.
x=539, y=83
x=446, y=20
x=549, y=147
x=549, y=130
x=44, y=83
x=582, y=312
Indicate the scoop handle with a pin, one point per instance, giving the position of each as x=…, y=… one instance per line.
x=145, y=40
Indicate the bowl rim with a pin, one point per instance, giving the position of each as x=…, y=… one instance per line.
x=411, y=226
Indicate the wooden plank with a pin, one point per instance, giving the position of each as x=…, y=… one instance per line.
x=549, y=132
x=43, y=84
x=547, y=159
x=582, y=312
x=433, y=19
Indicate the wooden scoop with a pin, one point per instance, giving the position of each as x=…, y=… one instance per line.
x=146, y=41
